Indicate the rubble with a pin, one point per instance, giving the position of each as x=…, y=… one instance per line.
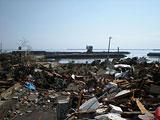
x=121, y=89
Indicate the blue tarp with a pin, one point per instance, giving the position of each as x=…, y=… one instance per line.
x=30, y=86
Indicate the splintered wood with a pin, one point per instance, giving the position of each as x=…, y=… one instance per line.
x=140, y=106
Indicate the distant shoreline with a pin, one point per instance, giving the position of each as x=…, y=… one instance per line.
x=76, y=49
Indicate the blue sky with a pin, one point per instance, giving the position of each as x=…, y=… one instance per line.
x=70, y=24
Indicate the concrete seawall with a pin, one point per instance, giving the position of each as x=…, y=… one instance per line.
x=76, y=55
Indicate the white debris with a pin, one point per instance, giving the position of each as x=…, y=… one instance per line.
x=105, y=99
x=29, y=111
x=91, y=89
x=110, y=116
x=122, y=66
x=101, y=110
x=37, y=70
x=73, y=76
x=15, y=97
x=118, y=75
x=122, y=93
x=115, y=109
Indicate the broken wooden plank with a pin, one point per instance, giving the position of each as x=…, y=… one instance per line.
x=140, y=106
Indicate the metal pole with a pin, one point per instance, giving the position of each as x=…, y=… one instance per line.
x=118, y=49
x=109, y=47
x=109, y=44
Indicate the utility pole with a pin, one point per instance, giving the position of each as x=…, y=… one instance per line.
x=109, y=47
x=109, y=44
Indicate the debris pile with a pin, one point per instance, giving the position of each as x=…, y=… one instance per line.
x=121, y=89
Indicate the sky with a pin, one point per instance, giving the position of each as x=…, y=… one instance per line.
x=73, y=24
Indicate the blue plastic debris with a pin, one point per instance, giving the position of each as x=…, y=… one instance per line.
x=30, y=86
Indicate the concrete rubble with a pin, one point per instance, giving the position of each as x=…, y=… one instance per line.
x=119, y=89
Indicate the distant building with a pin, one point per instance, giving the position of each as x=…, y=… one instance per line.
x=89, y=49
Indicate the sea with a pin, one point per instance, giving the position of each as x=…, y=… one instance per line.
x=140, y=53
